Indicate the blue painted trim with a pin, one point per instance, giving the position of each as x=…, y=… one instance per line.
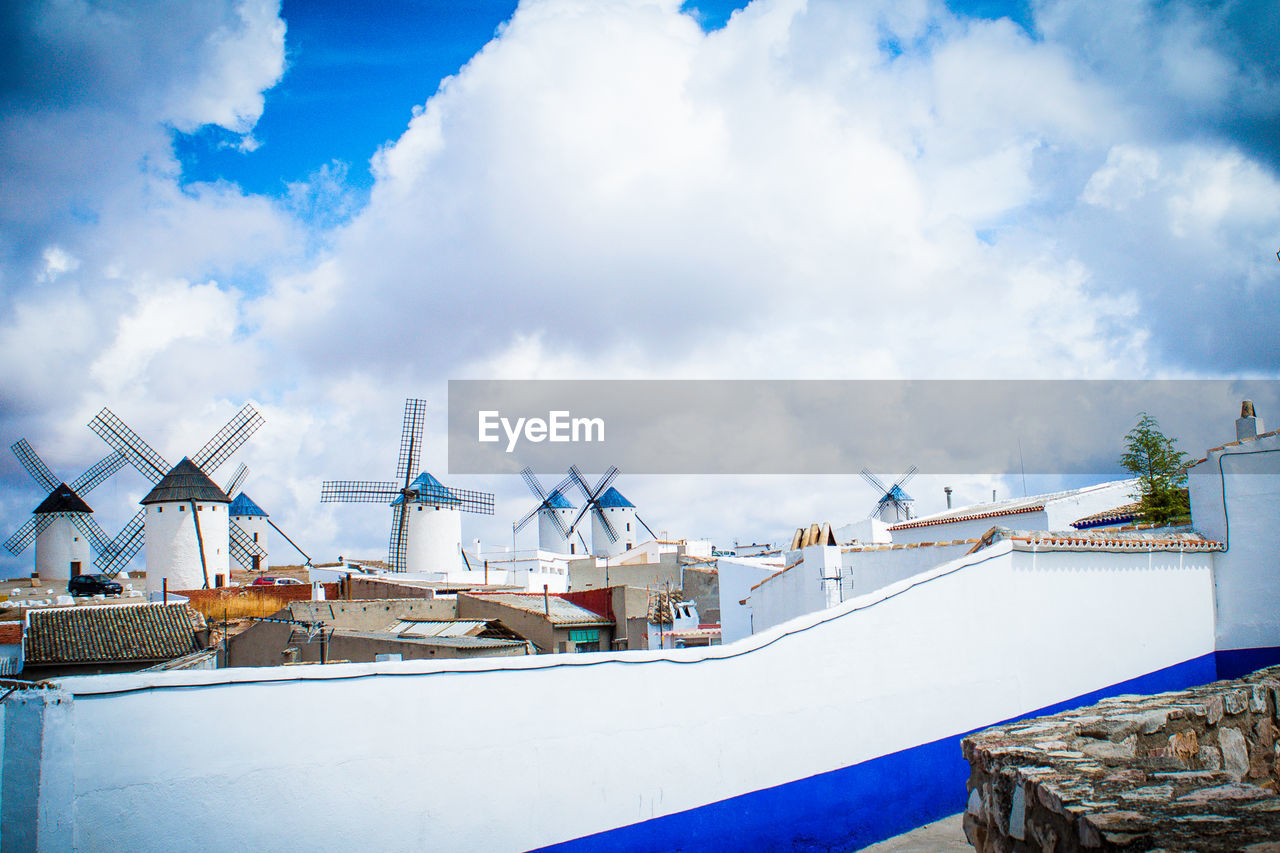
x=1234, y=663
x=854, y=806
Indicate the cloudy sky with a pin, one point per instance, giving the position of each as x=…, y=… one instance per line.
x=323, y=213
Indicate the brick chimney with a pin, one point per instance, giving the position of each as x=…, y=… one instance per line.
x=1248, y=425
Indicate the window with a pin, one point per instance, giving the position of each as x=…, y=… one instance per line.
x=159, y=509
x=586, y=647
x=628, y=526
x=255, y=536
x=182, y=507
x=585, y=635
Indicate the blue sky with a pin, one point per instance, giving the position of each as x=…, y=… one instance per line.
x=238, y=201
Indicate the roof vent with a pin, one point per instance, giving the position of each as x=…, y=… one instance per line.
x=1248, y=425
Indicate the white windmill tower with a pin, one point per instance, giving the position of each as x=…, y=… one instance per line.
x=555, y=516
x=253, y=520
x=426, y=521
x=62, y=526
x=894, y=504
x=615, y=524
x=183, y=521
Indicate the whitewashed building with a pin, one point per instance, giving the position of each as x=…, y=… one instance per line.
x=187, y=530
x=252, y=519
x=62, y=548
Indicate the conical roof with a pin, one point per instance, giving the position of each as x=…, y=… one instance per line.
x=186, y=482
x=430, y=491
x=557, y=500
x=244, y=505
x=614, y=498
x=62, y=499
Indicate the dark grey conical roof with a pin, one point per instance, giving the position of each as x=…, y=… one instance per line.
x=186, y=482
x=62, y=499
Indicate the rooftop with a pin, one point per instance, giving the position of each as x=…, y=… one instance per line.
x=614, y=498
x=61, y=499
x=1012, y=506
x=186, y=482
x=557, y=500
x=561, y=612
x=244, y=505
x=1118, y=515
x=111, y=633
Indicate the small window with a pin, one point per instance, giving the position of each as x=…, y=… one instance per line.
x=159, y=509
x=628, y=526
x=255, y=536
x=182, y=507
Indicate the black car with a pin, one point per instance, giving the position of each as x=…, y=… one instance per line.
x=92, y=585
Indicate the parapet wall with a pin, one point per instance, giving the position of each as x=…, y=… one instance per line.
x=1196, y=769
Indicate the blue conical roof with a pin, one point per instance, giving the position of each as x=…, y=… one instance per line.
x=430, y=490
x=898, y=494
x=614, y=498
x=557, y=500
x=244, y=505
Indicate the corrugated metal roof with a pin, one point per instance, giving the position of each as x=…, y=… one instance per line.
x=62, y=499
x=186, y=482
x=561, y=612
x=441, y=628
x=244, y=505
x=126, y=632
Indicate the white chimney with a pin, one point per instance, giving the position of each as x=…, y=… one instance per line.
x=1248, y=425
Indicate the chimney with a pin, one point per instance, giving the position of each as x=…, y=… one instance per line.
x=1248, y=425
x=993, y=495
x=947, y=489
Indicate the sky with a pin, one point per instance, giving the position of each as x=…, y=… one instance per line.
x=325, y=208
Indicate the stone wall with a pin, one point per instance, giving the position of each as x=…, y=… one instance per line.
x=1197, y=769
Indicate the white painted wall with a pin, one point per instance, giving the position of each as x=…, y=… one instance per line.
x=737, y=576
x=813, y=583
x=549, y=536
x=623, y=521
x=952, y=530
x=867, y=531
x=194, y=784
x=1061, y=512
x=434, y=538
x=60, y=544
x=1235, y=499
x=172, y=549
x=257, y=529
x=867, y=571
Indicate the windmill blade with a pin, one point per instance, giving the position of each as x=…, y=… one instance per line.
x=520, y=525
x=18, y=542
x=121, y=550
x=242, y=548
x=650, y=529
x=529, y=480
x=605, y=481
x=604, y=522
x=585, y=549
x=410, y=440
x=578, y=518
x=910, y=472
x=236, y=479
x=228, y=440
x=557, y=521
x=91, y=479
x=35, y=465
x=577, y=477
x=464, y=500
x=358, y=491
x=397, y=546
x=113, y=431
x=876, y=482
x=86, y=525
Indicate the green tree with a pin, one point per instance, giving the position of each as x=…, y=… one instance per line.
x=1161, y=470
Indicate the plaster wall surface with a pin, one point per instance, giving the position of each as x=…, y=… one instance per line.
x=867, y=571
x=1235, y=499
x=737, y=576
x=173, y=548
x=58, y=546
x=623, y=521
x=1069, y=623
x=259, y=531
x=972, y=528
x=549, y=536
x=592, y=573
x=434, y=538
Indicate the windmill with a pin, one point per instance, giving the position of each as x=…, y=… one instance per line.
x=553, y=511
x=63, y=505
x=152, y=465
x=432, y=534
x=894, y=503
x=613, y=517
x=253, y=520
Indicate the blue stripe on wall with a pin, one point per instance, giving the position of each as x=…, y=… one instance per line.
x=1233, y=663
x=854, y=806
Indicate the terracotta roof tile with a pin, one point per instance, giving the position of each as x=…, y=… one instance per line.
x=119, y=633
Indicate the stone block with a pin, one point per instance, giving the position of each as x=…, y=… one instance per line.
x=1107, y=751
x=1209, y=758
x=1185, y=745
x=1235, y=752
x=1236, y=701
